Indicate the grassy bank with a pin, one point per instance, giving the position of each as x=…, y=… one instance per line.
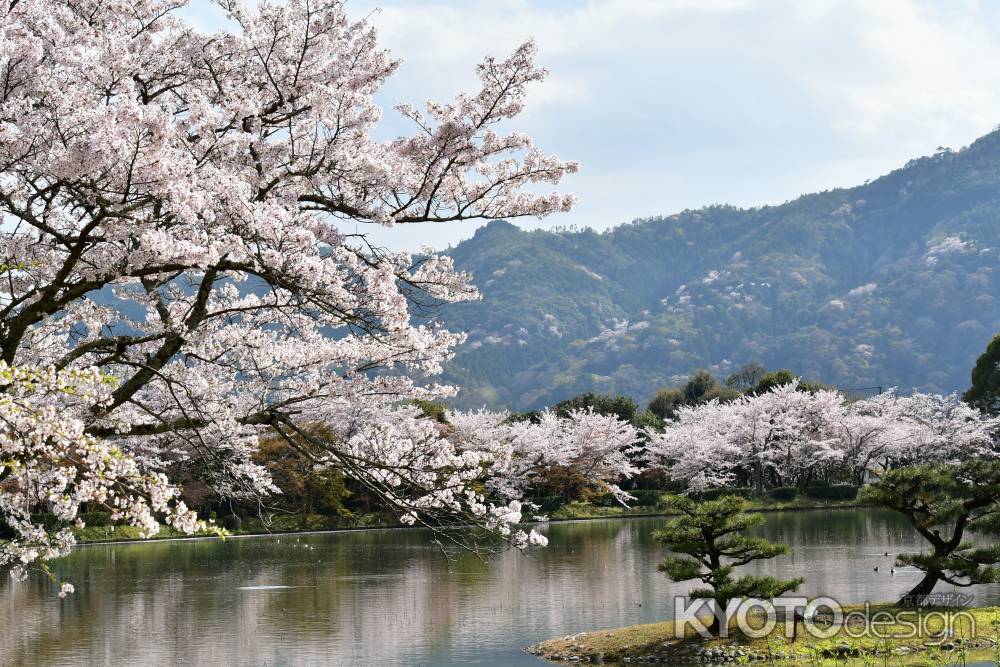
x=309, y=523
x=293, y=523
x=974, y=634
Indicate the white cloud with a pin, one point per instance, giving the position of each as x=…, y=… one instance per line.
x=670, y=104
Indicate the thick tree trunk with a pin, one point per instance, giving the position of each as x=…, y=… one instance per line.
x=922, y=589
x=716, y=627
x=758, y=480
x=718, y=618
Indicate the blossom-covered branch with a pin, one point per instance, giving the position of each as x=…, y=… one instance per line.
x=172, y=206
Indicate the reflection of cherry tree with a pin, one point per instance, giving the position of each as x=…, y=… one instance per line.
x=172, y=205
x=356, y=598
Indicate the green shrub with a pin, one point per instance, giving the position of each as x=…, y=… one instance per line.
x=605, y=500
x=6, y=532
x=784, y=493
x=47, y=519
x=547, y=503
x=835, y=492
x=645, y=497
x=715, y=494
x=232, y=522
x=96, y=519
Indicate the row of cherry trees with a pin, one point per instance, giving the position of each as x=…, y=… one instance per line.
x=791, y=437
x=784, y=437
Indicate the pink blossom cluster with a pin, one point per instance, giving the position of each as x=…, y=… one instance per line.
x=48, y=460
x=788, y=436
x=601, y=448
x=179, y=211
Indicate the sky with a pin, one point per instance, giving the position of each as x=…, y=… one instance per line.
x=676, y=104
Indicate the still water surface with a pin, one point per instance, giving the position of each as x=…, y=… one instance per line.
x=391, y=598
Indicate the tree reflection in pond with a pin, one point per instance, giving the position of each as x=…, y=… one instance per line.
x=391, y=598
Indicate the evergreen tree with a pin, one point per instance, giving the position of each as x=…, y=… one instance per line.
x=700, y=388
x=708, y=542
x=666, y=402
x=747, y=377
x=622, y=407
x=985, y=390
x=944, y=503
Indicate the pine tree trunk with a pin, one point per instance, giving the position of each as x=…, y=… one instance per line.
x=718, y=618
x=922, y=589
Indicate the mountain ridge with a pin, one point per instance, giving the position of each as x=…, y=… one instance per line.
x=886, y=283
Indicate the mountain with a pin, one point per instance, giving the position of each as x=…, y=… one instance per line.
x=891, y=283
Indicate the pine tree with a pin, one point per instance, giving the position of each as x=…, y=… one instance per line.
x=985, y=390
x=955, y=499
x=708, y=542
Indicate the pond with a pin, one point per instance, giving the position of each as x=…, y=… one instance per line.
x=391, y=598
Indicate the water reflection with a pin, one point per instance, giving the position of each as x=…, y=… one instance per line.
x=391, y=598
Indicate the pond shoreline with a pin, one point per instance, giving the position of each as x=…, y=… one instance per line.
x=354, y=529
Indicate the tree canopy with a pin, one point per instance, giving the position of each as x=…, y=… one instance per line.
x=985, y=390
x=180, y=235
x=708, y=542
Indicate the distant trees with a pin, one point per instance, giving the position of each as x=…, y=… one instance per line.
x=306, y=488
x=772, y=439
x=622, y=407
x=985, y=390
x=708, y=544
x=869, y=431
x=747, y=377
x=772, y=380
x=558, y=455
x=701, y=387
x=666, y=402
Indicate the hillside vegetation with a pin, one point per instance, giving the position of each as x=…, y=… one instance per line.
x=891, y=283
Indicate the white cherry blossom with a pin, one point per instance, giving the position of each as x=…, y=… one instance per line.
x=179, y=211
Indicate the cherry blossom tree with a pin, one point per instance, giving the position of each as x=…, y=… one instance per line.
x=943, y=429
x=49, y=460
x=598, y=448
x=776, y=437
x=698, y=447
x=868, y=431
x=173, y=214
x=888, y=431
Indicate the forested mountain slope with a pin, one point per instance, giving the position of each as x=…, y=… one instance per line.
x=893, y=283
